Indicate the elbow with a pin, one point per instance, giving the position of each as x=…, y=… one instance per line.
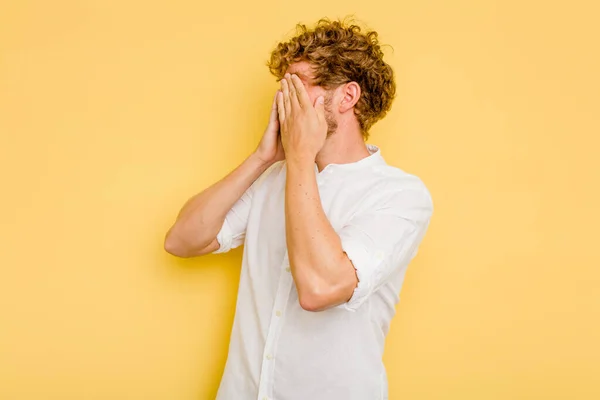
x=318, y=299
x=326, y=295
x=312, y=294
x=312, y=303
x=173, y=246
x=178, y=247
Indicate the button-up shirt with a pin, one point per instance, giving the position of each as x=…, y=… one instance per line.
x=278, y=350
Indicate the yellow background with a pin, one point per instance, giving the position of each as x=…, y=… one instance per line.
x=113, y=113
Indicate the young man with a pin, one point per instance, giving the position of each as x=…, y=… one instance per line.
x=329, y=228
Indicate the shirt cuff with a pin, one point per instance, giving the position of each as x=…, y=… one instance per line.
x=368, y=265
x=225, y=238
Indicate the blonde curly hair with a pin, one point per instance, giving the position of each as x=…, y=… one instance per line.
x=340, y=52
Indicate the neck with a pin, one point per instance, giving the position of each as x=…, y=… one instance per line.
x=342, y=147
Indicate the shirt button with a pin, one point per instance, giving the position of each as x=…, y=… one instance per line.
x=278, y=313
x=269, y=357
x=288, y=269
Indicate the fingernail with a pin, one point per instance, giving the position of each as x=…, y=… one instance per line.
x=321, y=100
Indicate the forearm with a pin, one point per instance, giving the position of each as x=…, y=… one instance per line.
x=202, y=216
x=318, y=263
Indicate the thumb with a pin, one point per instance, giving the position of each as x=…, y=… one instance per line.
x=320, y=107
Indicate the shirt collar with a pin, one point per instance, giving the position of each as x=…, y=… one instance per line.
x=374, y=158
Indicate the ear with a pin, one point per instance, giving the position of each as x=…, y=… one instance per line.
x=351, y=92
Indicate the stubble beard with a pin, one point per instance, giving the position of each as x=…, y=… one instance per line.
x=332, y=124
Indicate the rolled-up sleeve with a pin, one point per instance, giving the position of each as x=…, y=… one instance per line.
x=233, y=230
x=384, y=238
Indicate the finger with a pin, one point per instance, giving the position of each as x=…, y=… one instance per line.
x=293, y=94
x=301, y=93
x=280, y=107
x=320, y=108
x=286, y=96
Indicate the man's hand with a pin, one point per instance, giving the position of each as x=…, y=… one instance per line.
x=270, y=149
x=303, y=126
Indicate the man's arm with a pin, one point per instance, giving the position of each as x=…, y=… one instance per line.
x=195, y=231
x=324, y=275
x=199, y=221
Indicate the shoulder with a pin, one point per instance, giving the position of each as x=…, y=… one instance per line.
x=396, y=187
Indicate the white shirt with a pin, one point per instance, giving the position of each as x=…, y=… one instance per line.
x=279, y=351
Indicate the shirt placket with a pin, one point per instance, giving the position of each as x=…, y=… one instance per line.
x=267, y=374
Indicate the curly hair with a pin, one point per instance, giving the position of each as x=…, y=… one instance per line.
x=340, y=52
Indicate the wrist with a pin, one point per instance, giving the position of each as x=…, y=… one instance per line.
x=260, y=160
x=300, y=160
x=300, y=164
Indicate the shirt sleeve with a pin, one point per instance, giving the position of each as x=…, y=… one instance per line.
x=233, y=230
x=384, y=238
